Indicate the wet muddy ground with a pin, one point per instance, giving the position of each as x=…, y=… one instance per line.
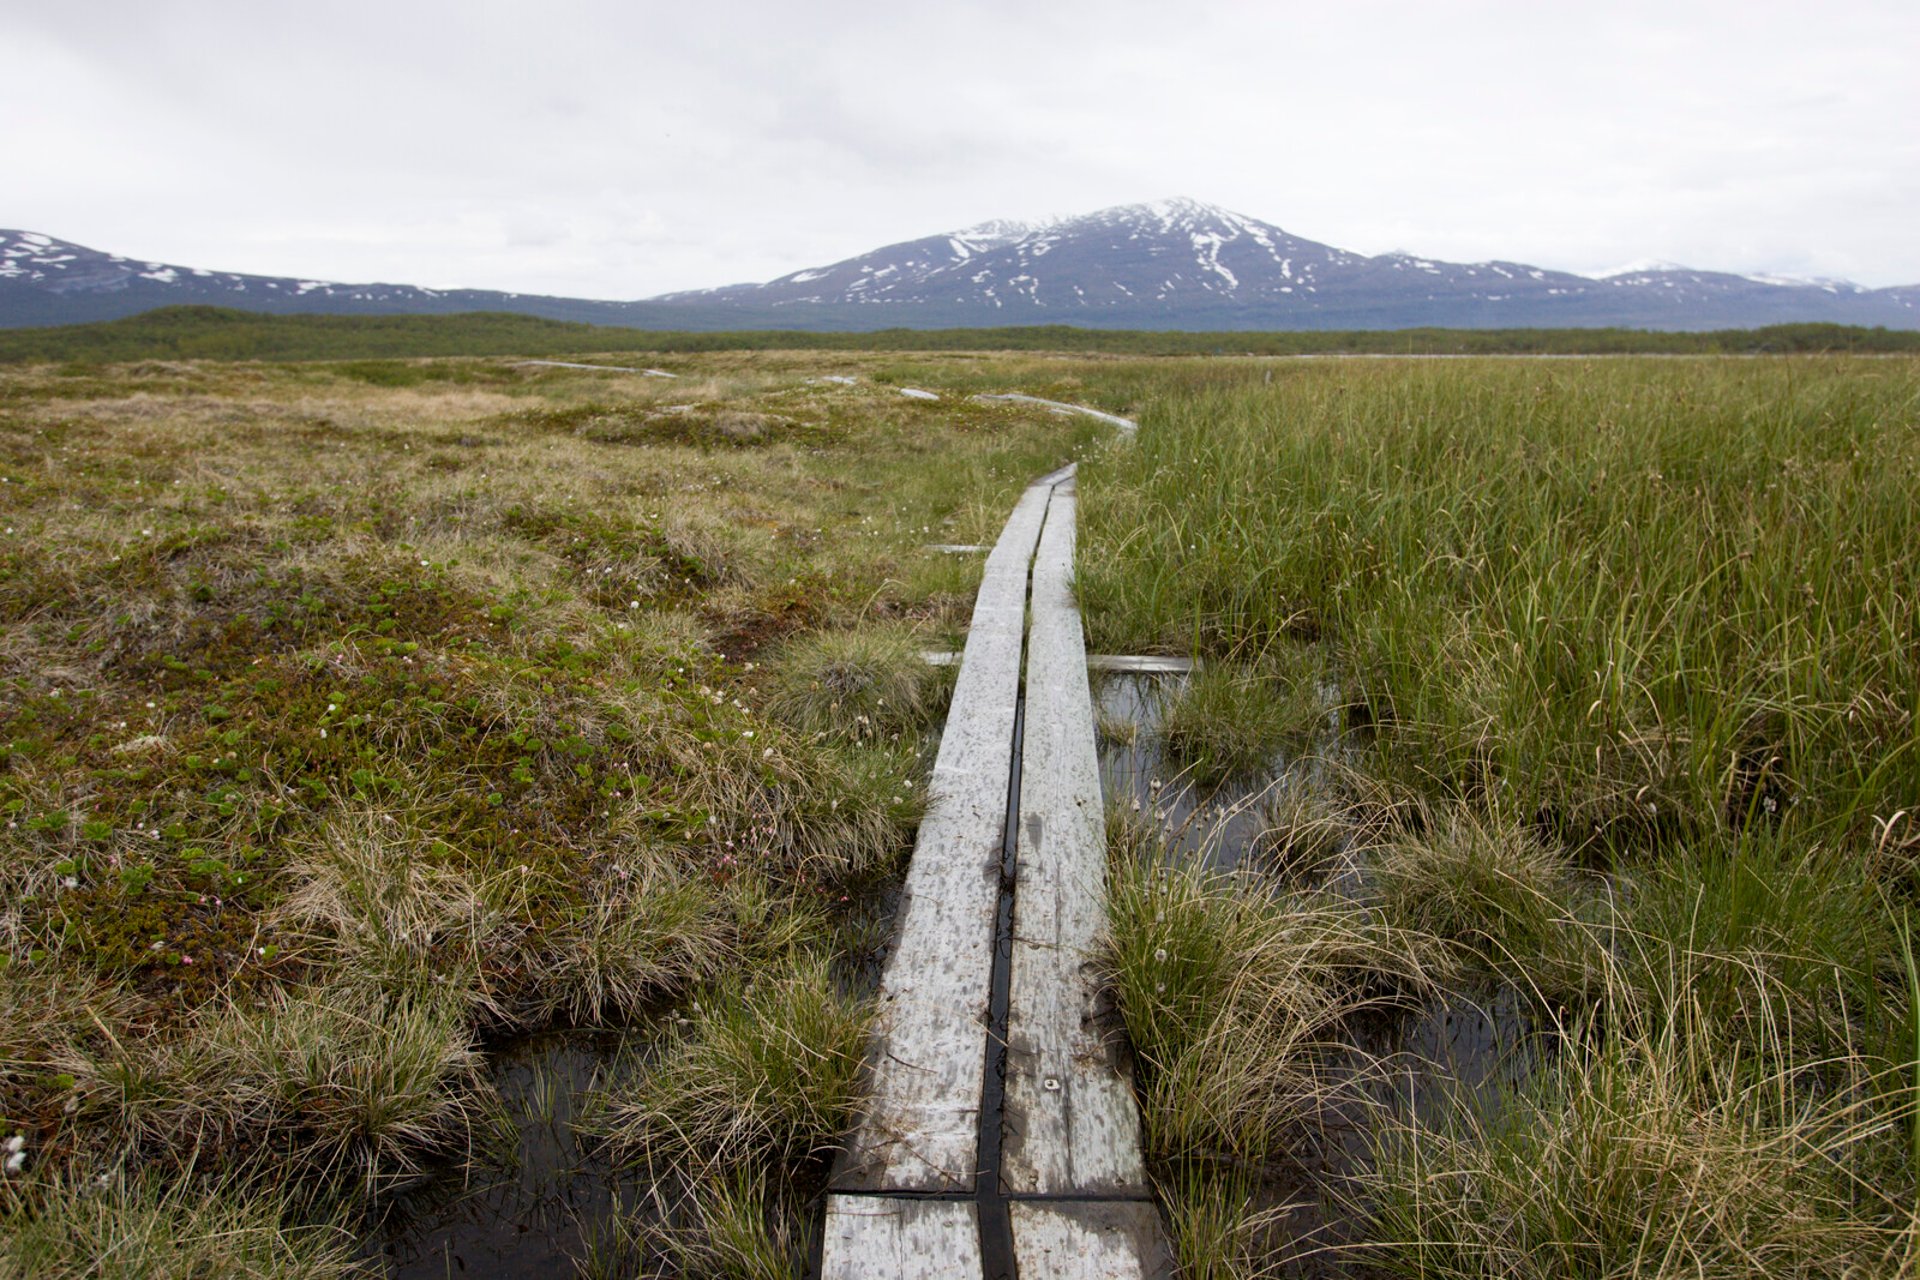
x=1468, y=1048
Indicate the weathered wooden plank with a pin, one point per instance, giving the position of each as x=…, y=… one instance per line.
x=921, y=1129
x=1071, y=1123
x=1060, y=406
x=956, y=548
x=1089, y=1240
x=874, y=1236
x=1144, y=664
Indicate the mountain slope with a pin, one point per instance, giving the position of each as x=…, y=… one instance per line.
x=1191, y=265
x=1171, y=264
x=45, y=281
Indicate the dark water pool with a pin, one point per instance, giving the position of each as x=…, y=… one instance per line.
x=538, y=1197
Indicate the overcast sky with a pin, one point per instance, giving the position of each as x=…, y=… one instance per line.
x=624, y=149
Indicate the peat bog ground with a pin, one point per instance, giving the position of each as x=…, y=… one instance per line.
x=452, y=808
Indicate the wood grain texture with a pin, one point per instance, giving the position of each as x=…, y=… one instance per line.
x=1071, y=1123
x=921, y=1129
x=1089, y=1240
x=868, y=1237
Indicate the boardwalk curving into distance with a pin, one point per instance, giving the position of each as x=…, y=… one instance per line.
x=993, y=1148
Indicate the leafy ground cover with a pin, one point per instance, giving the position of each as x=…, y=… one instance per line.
x=1621, y=658
x=353, y=715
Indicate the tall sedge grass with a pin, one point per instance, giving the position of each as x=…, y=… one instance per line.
x=1627, y=653
x=1234, y=996
x=1655, y=1144
x=1631, y=594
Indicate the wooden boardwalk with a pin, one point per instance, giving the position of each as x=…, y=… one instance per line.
x=948, y=1174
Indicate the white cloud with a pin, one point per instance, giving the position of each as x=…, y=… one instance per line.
x=614, y=150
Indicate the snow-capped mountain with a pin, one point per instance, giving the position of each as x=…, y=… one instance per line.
x=48, y=281
x=1155, y=256
x=1184, y=264
x=1170, y=264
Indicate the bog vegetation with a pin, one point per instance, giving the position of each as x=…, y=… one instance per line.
x=354, y=717
x=357, y=715
x=1625, y=743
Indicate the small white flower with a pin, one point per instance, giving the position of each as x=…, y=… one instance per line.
x=16, y=1144
x=1160, y=954
x=16, y=1162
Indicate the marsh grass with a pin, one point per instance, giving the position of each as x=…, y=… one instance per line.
x=1235, y=995
x=743, y=1230
x=1483, y=883
x=1231, y=720
x=127, y=1226
x=1636, y=595
x=1218, y=1225
x=1632, y=737
x=339, y=1082
x=766, y=1069
x=1654, y=1152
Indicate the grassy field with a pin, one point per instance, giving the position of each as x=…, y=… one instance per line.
x=355, y=716
x=1614, y=670
x=222, y=333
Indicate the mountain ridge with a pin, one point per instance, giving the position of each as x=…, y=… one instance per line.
x=1174, y=263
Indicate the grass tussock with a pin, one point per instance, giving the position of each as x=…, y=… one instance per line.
x=339, y=1081
x=862, y=684
x=743, y=1230
x=767, y=1068
x=1233, y=997
x=1494, y=890
x=126, y=1226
